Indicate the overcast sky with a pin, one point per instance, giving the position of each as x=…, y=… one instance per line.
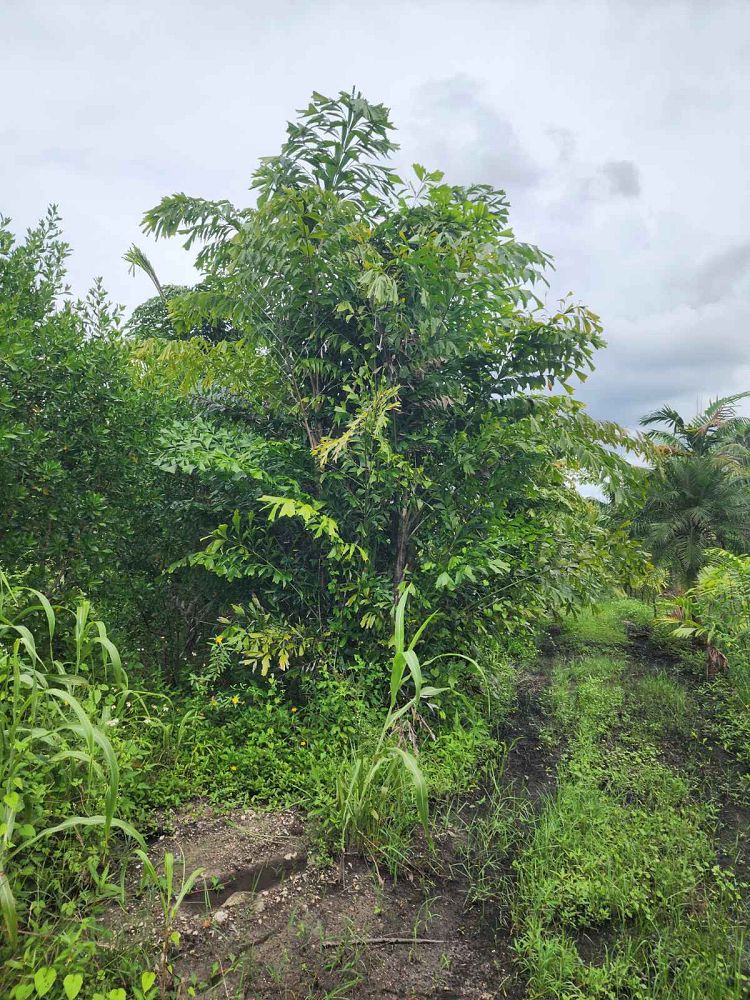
x=619, y=128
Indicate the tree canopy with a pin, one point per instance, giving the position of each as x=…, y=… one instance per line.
x=387, y=412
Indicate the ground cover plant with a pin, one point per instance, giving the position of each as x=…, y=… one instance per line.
x=618, y=890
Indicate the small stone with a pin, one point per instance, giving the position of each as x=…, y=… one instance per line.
x=221, y=917
x=239, y=899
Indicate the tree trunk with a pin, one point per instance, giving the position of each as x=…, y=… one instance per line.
x=402, y=547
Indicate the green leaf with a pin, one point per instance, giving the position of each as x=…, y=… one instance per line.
x=72, y=985
x=8, y=908
x=418, y=781
x=76, y=821
x=44, y=980
x=147, y=980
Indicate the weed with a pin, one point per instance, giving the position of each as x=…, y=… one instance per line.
x=170, y=894
x=374, y=787
x=488, y=831
x=663, y=705
x=48, y=738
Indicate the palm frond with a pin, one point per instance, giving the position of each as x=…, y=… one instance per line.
x=139, y=262
x=666, y=415
x=718, y=413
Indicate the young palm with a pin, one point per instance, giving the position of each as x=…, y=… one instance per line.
x=694, y=503
x=698, y=495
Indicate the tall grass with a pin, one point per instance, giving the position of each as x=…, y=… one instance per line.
x=379, y=786
x=47, y=723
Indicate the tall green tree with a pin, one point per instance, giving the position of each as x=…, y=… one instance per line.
x=394, y=371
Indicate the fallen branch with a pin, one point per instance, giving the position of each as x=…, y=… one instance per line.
x=386, y=940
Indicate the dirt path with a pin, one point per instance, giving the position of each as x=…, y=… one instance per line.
x=264, y=922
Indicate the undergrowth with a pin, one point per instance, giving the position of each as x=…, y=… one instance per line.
x=606, y=625
x=88, y=762
x=619, y=893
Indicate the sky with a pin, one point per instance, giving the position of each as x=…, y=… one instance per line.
x=620, y=130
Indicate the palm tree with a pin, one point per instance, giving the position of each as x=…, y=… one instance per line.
x=717, y=431
x=698, y=493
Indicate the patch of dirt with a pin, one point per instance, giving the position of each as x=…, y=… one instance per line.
x=531, y=763
x=246, y=850
x=263, y=922
x=368, y=937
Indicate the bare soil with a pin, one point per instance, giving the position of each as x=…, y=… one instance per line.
x=265, y=922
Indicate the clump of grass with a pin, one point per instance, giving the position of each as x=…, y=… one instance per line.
x=456, y=760
x=377, y=790
x=662, y=705
x=487, y=832
x=171, y=893
x=585, y=687
x=50, y=738
x=607, y=625
x=623, y=856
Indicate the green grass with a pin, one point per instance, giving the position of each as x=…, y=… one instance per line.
x=663, y=705
x=486, y=831
x=622, y=855
x=607, y=625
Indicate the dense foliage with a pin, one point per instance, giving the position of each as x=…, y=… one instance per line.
x=326, y=501
x=381, y=418
x=698, y=493
x=84, y=506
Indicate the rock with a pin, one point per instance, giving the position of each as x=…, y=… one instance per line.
x=239, y=899
x=221, y=917
x=249, y=899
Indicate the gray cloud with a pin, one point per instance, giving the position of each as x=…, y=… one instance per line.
x=717, y=276
x=612, y=180
x=470, y=139
x=565, y=141
x=683, y=355
x=623, y=178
